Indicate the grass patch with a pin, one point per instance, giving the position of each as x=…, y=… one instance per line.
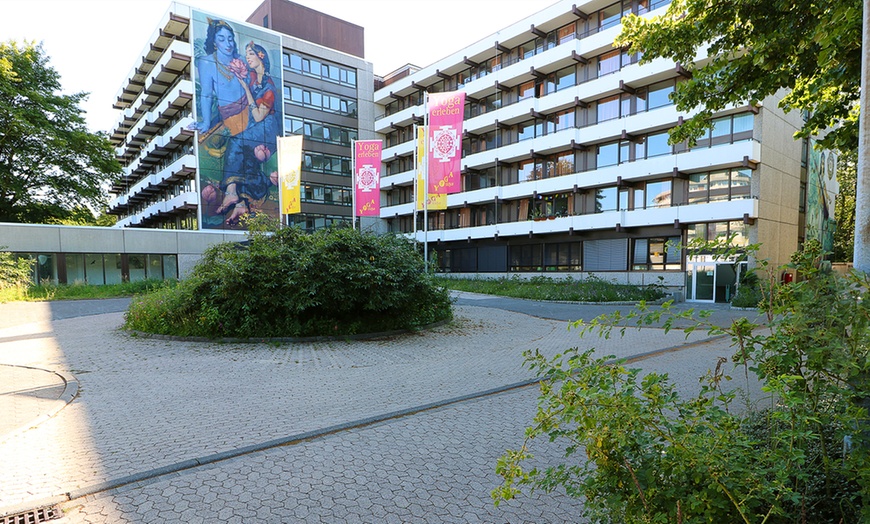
x=591, y=289
x=80, y=291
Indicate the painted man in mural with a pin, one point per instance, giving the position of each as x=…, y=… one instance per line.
x=239, y=120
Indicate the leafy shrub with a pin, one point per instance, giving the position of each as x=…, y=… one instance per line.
x=749, y=294
x=14, y=272
x=639, y=452
x=590, y=289
x=287, y=283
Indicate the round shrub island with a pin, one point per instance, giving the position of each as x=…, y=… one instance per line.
x=287, y=283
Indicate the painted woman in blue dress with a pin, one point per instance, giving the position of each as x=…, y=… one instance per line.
x=245, y=185
x=221, y=98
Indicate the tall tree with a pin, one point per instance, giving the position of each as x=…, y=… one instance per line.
x=49, y=162
x=844, y=209
x=755, y=49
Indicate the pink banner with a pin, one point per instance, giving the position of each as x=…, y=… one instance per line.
x=446, y=112
x=367, y=178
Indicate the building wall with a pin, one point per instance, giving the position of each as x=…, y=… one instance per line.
x=556, y=66
x=188, y=246
x=313, y=26
x=160, y=187
x=779, y=181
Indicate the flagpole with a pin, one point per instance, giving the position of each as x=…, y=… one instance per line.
x=426, y=182
x=353, y=184
x=417, y=174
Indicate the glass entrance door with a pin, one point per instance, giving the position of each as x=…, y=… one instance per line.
x=700, y=282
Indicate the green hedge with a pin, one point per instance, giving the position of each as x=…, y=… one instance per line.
x=288, y=283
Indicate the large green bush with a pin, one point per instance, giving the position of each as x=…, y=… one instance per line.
x=639, y=452
x=287, y=283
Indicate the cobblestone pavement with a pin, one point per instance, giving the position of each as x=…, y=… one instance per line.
x=146, y=404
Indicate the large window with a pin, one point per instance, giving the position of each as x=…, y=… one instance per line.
x=719, y=185
x=319, y=68
x=656, y=253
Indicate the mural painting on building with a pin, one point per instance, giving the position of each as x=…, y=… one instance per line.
x=239, y=115
x=822, y=190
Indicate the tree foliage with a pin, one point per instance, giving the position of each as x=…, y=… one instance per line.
x=638, y=451
x=844, y=209
x=755, y=48
x=49, y=162
x=291, y=284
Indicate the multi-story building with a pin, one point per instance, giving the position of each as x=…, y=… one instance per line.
x=566, y=162
x=206, y=99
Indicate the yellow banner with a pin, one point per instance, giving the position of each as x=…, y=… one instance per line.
x=435, y=202
x=290, y=174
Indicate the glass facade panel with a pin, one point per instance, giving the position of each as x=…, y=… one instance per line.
x=94, y=269
x=658, y=194
x=113, y=269
x=75, y=269
x=608, y=155
x=136, y=264
x=605, y=199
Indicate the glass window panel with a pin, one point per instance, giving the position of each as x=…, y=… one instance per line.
x=170, y=266
x=721, y=127
x=658, y=194
x=136, y=263
x=609, y=16
x=605, y=199
x=719, y=186
x=155, y=267
x=623, y=199
x=743, y=123
x=296, y=62
x=639, y=198
x=698, y=188
x=738, y=229
x=564, y=120
x=566, y=77
x=608, y=154
x=624, y=151
x=608, y=63
x=641, y=250
x=608, y=108
x=740, y=183
x=640, y=100
x=94, y=269
x=113, y=269
x=75, y=269
x=657, y=144
x=659, y=94
x=527, y=90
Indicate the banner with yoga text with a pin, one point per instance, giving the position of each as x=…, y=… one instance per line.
x=367, y=177
x=435, y=202
x=446, y=113
x=289, y=174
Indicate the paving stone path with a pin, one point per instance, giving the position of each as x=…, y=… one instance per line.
x=159, y=413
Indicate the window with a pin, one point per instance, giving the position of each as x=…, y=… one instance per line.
x=608, y=63
x=659, y=94
x=656, y=254
x=608, y=108
x=657, y=144
x=608, y=154
x=658, y=194
x=605, y=199
x=605, y=255
x=609, y=16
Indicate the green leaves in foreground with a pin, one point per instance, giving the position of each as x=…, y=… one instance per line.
x=638, y=452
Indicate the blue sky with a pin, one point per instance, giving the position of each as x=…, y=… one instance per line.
x=93, y=43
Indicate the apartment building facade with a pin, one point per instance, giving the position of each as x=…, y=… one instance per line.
x=567, y=168
x=201, y=110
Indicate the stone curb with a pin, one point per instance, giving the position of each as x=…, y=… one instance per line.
x=71, y=388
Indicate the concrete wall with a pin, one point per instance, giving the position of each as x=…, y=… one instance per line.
x=776, y=182
x=39, y=238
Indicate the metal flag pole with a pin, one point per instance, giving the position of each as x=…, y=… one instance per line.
x=417, y=173
x=353, y=184
x=426, y=182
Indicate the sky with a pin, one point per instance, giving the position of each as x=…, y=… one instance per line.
x=93, y=43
